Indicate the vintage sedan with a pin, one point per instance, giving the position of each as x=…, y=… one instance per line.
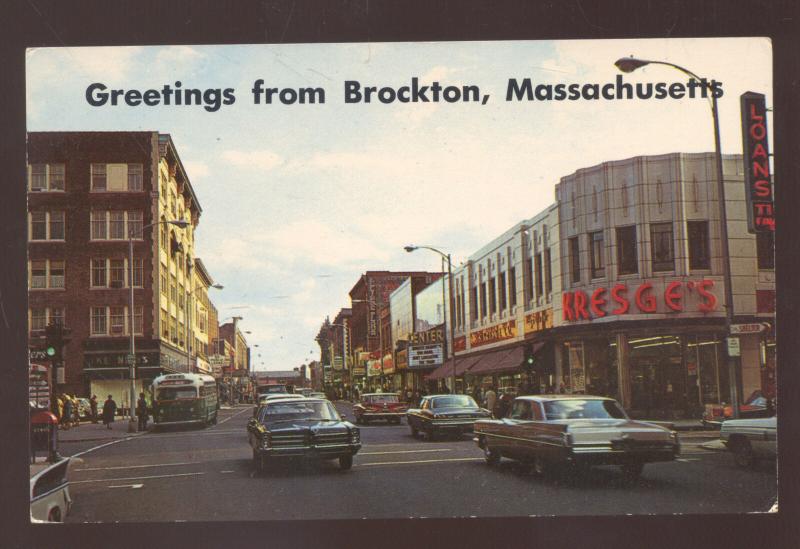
x=49, y=490
x=440, y=414
x=750, y=439
x=385, y=406
x=302, y=428
x=578, y=430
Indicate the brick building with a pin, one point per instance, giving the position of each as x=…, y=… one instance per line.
x=87, y=191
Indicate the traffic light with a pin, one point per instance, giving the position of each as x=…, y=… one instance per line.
x=529, y=359
x=54, y=341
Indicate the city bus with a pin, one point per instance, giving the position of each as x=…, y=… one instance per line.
x=185, y=399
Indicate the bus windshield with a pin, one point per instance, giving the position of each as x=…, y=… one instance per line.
x=175, y=393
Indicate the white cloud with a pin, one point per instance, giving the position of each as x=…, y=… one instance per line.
x=196, y=169
x=262, y=160
x=178, y=55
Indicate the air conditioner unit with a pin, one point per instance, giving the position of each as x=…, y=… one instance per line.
x=117, y=329
x=117, y=284
x=37, y=189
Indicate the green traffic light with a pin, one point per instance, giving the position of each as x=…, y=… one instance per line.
x=51, y=351
x=530, y=360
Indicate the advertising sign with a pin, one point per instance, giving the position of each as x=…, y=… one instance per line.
x=425, y=356
x=493, y=334
x=39, y=385
x=539, y=320
x=757, y=178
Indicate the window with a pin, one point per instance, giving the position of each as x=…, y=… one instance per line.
x=163, y=281
x=56, y=274
x=765, y=249
x=98, y=177
x=163, y=229
x=99, y=273
x=164, y=324
x=116, y=225
x=117, y=273
x=627, y=262
x=699, y=256
x=538, y=270
x=483, y=299
x=473, y=303
x=548, y=274
x=501, y=290
x=117, y=315
x=661, y=246
x=173, y=329
x=138, y=320
x=99, y=322
x=56, y=316
x=47, y=226
x=575, y=259
x=512, y=286
x=138, y=272
x=56, y=225
x=38, y=274
x=134, y=177
x=173, y=289
x=528, y=275
x=598, y=265
x=38, y=225
x=38, y=319
x=46, y=177
x=492, y=296
x=181, y=294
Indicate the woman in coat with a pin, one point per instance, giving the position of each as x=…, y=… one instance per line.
x=109, y=410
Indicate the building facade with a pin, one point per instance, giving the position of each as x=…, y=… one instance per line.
x=88, y=191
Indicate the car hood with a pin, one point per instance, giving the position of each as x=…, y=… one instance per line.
x=303, y=426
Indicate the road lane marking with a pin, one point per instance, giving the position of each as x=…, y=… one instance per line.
x=687, y=459
x=134, y=486
x=233, y=416
x=227, y=471
x=403, y=452
x=417, y=461
x=135, y=466
x=101, y=446
x=134, y=478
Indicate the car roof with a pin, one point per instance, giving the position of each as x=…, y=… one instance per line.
x=562, y=397
x=379, y=394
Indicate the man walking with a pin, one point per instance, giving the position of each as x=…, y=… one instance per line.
x=109, y=410
x=490, y=399
x=141, y=412
x=93, y=408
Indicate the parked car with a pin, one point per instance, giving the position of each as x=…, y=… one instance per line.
x=302, y=428
x=757, y=405
x=50, y=499
x=580, y=430
x=380, y=406
x=316, y=395
x=439, y=414
x=750, y=439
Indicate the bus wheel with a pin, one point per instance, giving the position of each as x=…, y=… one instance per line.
x=214, y=419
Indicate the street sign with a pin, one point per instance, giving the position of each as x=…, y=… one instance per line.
x=733, y=346
x=752, y=328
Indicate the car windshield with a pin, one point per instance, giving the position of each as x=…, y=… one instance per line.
x=583, y=409
x=381, y=399
x=175, y=393
x=454, y=401
x=296, y=410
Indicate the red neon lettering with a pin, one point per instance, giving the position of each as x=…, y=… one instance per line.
x=758, y=131
x=598, y=301
x=763, y=208
x=672, y=296
x=754, y=114
x=580, y=305
x=759, y=150
x=760, y=170
x=762, y=188
x=710, y=302
x=566, y=306
x=617, y=295
x=646, y=303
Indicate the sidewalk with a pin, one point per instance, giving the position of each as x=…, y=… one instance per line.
x=91, y=432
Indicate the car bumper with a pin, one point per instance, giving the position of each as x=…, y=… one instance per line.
x=382, y=415
x=326, y=451
x=452, y=426
x=608, y=456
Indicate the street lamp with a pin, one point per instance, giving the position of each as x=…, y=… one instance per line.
x=411, y=248
x=181, y=224
x=630, y=64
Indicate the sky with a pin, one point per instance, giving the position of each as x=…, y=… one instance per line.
x=299, y=200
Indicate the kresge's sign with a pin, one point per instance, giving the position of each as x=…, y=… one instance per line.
x=643, y=299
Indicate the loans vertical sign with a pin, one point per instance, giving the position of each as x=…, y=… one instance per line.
x=757, y=179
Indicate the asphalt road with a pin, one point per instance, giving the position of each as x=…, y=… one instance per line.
x=208, y=474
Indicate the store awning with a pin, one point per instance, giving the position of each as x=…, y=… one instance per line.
x=462, y=365
x=499, y=361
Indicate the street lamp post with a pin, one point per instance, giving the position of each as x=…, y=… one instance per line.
x=410, y=249
x=630, y=64
x=182, y=224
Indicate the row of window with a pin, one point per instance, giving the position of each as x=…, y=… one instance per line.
x=104, y=320
x=104, y=177
x=105, y=273
x=105, y=225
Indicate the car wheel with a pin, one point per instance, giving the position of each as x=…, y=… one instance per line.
x=492, y=457
x=345, y=462
x=54, y=515
x=427, y=435
x=414, y=431
x=743, y=453
x=632, y=471
x=539, y=466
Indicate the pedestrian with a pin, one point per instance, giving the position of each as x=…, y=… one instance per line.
x=67, y=412
x=93, y=408
x=109, y=410
x=490, y=399
x=141, y=412
x=409, y=396
x=76, y=411
x=504, y=404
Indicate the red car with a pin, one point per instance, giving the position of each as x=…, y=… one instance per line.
x=756, y=406
x=380, y=406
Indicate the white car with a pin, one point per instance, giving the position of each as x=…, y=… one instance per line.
x=50, y=499
x=750, y=439
x=278, y=396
